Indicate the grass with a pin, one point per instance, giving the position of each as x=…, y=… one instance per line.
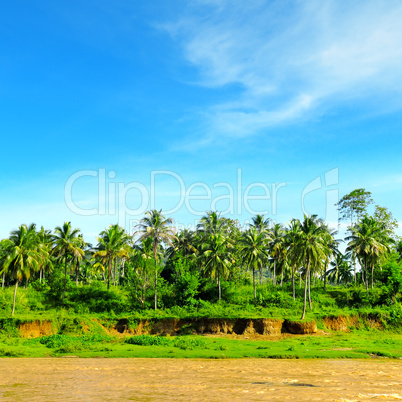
x=358, y=344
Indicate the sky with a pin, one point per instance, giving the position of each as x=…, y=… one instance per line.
x=109, y=109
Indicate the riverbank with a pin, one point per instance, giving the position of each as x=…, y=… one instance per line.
x=93, y=336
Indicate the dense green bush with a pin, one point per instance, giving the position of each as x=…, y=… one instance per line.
x=177, y=342
x=96, y=298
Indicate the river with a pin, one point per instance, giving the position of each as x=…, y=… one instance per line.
x=75, y=379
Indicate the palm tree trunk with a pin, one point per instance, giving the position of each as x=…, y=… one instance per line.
x=309, y=290
x=15, y=296
x=274, y=277
x=366, y=273
x=109, y=271
x=372, y=276
x=293, y=283
x=219, y=287
x=255, y=294
x=40, y=275
x=114, y=272
x=282, y=276
x=261, y=275
x=305, y=291
x=77, y=268
x=156, y=278
x=325, y=277
x=65, y=277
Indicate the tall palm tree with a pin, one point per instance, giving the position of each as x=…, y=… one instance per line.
x=310, y=250
x=113, y=243
x=253, y=248
x=277, y=247
x=260, y=223
x=23, y=254
x=185, y=244
x=159, y=229
x=211, y=224
x=370, y=242
x=46, y=240
x=399, y=250
x=341, y=269
x=292, y=234
x=333, y=250
x=217, y=257
x=68, y=244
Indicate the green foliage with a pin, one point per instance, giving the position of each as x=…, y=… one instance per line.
x=269, y=297
x=391, y=278
x=96, y=298
x=177, y=342
x=71, y=344
x=186, y=283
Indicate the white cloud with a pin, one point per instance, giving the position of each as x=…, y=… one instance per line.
x=287, y=60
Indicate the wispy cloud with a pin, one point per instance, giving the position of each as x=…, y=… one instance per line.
x=282, y=61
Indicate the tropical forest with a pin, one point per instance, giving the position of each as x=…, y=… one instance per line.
x=202, y=291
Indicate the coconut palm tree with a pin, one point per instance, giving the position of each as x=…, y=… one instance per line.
x=399, y=250
x=310, y=250
x=253, y=249
x=68, y=244
x=23, y=254
x=292, y=234
x=211, y=224
x=333, y=250
x=113, y=243
x=185, y=244
x=370, y=242
x=341, y=270
x=260, y=223
x=217, y=258
x=46, y=239
x=159, y=229
x=277, y=247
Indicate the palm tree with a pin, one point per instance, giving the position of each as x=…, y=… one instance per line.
x=341, y=269
x=46, y=239
x=23, y=253
x=217, y=258
x=277, y=247
x=260, y=223
x=113, y=243
x=292, y=234
x=370, y=242
x=310, y=250
x=399, y=250
x=185, y=244
x=159, y=229
x=211, y=224
x=262, y=226
x=67, y=244
x=333, y=250
x=253, y=248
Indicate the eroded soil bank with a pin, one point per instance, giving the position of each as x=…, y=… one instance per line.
x=194, y=326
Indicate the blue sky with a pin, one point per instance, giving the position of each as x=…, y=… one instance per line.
x=285, y=91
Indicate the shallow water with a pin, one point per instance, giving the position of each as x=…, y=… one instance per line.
x=53, y=379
